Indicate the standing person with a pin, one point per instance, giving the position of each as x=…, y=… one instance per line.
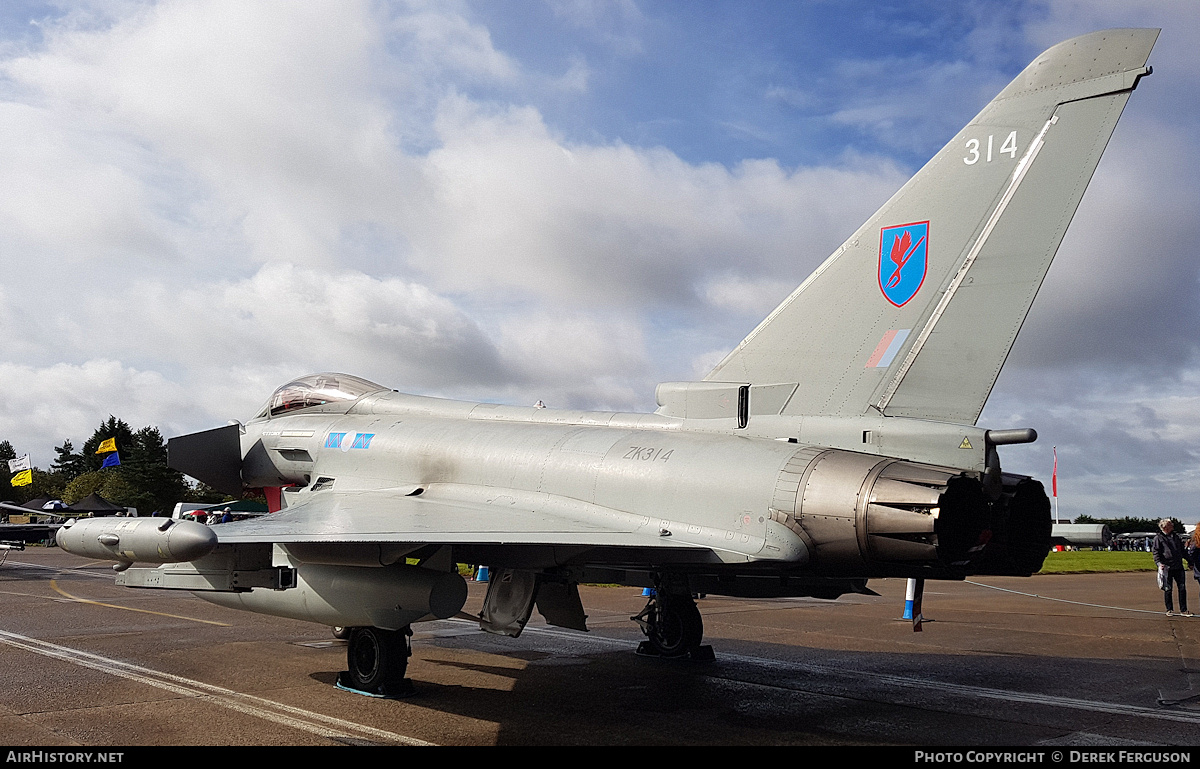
x=1192, y=551
x=1168, y=550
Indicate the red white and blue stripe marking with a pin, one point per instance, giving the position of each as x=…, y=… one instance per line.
x=887, y=348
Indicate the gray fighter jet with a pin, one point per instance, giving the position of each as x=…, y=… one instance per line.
x=837, y=443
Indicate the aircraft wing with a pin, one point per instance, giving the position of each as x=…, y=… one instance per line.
x=449, y=513
x=27, y=532
x=30, y=511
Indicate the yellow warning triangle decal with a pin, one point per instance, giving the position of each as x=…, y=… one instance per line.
x=966, y=444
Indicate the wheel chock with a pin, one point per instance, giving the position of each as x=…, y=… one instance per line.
x=395, y=692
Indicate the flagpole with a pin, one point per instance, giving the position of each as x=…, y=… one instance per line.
x=1054, y=484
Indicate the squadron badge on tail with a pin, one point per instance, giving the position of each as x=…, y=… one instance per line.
x=903, y=273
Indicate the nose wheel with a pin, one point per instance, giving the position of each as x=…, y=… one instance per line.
x=376, y=661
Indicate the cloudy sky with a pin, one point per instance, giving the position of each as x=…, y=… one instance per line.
x=569, y=200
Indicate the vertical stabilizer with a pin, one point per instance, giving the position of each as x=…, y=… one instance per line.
x=915, y=314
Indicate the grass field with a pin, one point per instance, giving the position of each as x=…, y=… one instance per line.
x=1094, y=561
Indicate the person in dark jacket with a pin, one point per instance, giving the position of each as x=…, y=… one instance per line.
x=1169, y=552
x=1191, y=550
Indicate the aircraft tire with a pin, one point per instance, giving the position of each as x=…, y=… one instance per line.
x=377, y=659
x=341, y=633
x=677, y=627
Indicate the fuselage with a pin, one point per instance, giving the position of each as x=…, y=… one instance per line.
x=753, y=495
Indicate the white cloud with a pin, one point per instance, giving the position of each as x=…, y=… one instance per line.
x=1125, y=447
x=71, y=193
x=438, y=37
x=517, y=207
x=301, y=320
x=574, y=360
x=42, y=407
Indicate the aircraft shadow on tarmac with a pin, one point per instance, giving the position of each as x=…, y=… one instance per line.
x=763, y=693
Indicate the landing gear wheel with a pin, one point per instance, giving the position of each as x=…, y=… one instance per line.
x=341, y=633
x=673, y=627
x=377, y=660
x=676, y=628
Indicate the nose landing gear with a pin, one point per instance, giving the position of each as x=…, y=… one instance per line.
x=377, y=660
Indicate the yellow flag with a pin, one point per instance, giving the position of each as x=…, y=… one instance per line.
x=108, y=445
x=23, y=478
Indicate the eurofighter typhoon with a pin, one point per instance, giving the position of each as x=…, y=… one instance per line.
x=837, y=443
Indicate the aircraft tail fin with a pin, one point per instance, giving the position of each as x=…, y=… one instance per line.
x=916, y=312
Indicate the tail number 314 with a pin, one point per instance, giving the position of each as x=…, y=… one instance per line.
x=974, y=155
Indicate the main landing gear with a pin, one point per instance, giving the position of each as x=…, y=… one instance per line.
x=377, y=660
x=672, y=623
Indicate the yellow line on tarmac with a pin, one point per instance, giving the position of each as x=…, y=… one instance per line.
x=54, y=586
x=27, y=595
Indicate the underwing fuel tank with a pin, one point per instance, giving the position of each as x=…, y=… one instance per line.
x=389, y=597
x=137, y=540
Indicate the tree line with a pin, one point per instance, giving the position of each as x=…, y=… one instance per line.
x=1130, y=525
x=142, y=480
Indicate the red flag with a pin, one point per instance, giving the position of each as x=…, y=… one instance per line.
x=1054, y=477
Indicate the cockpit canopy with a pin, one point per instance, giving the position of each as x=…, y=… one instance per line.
x=317, y=390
